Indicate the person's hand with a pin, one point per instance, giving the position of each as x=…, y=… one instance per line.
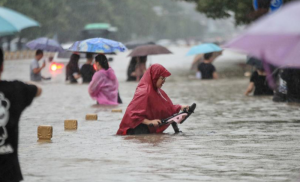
x=185, y=107
x=76, y=75
x=155, y=122
x=47, y=78
x=44, y=64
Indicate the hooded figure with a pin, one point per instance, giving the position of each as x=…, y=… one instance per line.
x=104, y=84
x=149, y=102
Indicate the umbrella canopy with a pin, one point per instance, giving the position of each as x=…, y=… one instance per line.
x=45, y=44
x=12, y=21
x=97, y=45
x=275, y=38
x=146, y=50
x=132, y=45
x=204, y=48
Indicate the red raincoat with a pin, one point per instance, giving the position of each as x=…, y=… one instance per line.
x=149, y=102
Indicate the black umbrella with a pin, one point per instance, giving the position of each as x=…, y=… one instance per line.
x=132, y=45
x=146, y=50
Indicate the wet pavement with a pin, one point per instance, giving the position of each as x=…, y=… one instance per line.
x=230, y=137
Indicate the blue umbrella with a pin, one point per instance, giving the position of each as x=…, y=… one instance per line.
x=97, y=45
x=204, y=48
x=45, y=44
x=12, y=22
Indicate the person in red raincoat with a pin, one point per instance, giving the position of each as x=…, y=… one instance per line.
x=149, y=105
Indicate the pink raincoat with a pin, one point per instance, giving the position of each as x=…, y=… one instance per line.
x=104, y=87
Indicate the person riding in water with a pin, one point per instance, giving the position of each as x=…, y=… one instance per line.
x=149, y=105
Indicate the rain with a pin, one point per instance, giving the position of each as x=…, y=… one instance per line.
x=218, y=53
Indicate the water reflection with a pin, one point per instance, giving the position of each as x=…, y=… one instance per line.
x=152, y=139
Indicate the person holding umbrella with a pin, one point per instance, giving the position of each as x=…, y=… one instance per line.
x=258, y=81
x=40, y=45
x=140, y=54
x=35, y=69
x=206, y=68
x=101, y=46
x=131, y=70
x=136, y=68
x=87, y=70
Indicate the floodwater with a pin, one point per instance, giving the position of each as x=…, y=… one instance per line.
x=230, y=137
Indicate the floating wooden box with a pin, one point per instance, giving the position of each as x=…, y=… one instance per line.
x=116, y=110
x=91, y=117
x=44, y=132
x=71, y=124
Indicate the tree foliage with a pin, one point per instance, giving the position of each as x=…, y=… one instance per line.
x=242, y=9
x=134, y=19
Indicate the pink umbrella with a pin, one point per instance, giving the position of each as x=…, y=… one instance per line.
x=275, y=38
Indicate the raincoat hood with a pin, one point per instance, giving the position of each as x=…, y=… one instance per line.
x=155, y=71
x=110, y=74
x=149, y=102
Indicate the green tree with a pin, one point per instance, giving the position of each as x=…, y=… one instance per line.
x=134, y=19
x=243, y=9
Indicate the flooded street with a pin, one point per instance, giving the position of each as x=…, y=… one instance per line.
x=230, y=137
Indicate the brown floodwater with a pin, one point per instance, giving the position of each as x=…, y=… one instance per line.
x=230, y=137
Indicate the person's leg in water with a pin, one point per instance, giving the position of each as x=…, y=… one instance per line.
x=119, y=99
x=139, y=130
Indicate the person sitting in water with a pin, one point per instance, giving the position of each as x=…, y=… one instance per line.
x=72, y=69
x=259, y=82
x=104, y=84
x=149, y=105
x=206, y=68
x=87, y=70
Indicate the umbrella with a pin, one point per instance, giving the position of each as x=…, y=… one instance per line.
x=12, y=22
x=45, y=44
x=204, y=48
x=146, y=50
x=97, y=45
x=132, y=45
x=275, y=38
